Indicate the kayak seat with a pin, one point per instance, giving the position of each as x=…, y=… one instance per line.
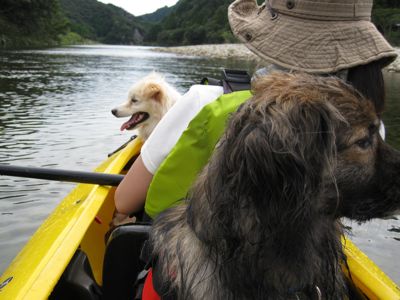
x=77, y=281
x=122, y=261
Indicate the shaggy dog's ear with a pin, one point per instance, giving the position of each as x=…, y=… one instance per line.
x=293, y=127
x=154, y=91
x=285, y=135
x=273, y=160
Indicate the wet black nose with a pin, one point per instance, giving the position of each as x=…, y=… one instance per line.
x=114, y=111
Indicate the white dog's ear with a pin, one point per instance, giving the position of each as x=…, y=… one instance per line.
x=154, y=91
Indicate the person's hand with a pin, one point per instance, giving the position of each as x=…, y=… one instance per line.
x=117, y=220
x=120, y=219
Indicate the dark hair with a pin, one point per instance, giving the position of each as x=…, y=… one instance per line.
x=368, y=80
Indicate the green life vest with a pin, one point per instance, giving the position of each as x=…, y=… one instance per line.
x=177, y=172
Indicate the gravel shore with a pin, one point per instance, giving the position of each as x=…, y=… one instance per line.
x=395, y=66
x=237, y=51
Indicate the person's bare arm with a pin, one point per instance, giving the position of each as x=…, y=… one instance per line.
x=131, y=192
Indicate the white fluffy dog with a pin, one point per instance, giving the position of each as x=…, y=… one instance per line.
x=148, y=101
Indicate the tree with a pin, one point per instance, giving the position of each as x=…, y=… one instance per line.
x=40, y=18
x=387, y=20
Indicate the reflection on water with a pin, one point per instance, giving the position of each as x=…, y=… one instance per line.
x=55, y=112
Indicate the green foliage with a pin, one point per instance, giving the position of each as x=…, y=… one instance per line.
x=386, y=17
x=193, y=22
x=195, y=35
x=72, y=38
x=386, y=4
x=26, y=23
x=205, y=21
x=156, y=16
x=103, y=22
x=31, y=22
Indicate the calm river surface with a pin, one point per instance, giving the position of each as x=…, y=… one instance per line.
x=55, y=112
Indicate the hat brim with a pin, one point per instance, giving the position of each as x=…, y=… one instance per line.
x=312, y=46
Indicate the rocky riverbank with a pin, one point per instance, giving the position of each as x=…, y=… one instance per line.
x=237, y=51
x=395, y=66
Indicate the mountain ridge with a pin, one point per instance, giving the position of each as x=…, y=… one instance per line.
x=41, y=23
x=101, y=22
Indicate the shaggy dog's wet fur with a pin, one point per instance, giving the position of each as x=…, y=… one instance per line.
x=261, y=222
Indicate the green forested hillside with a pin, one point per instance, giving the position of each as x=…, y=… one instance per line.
x=105, y=23
x=32, y=23
x=193, y=22
x=25, y=23
x=205, y=21
x=38, y=23
x=158, y=15
x=386, y=16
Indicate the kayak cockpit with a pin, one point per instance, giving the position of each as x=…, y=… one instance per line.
x=121, y=267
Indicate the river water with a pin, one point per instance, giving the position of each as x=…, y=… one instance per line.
x=55, y=112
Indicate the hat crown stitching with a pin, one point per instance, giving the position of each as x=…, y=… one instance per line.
x=290, y=4
x=325, y=9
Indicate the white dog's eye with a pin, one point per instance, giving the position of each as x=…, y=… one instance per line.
x=134, y=100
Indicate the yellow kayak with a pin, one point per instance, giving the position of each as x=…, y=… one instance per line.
x=81, y=221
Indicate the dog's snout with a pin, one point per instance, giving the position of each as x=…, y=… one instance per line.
x=114, y=111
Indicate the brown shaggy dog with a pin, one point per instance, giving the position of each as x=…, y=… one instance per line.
x=261, y=222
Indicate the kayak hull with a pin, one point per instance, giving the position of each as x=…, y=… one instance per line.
x=82, y=218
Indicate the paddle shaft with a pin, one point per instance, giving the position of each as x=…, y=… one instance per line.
x=61, y=175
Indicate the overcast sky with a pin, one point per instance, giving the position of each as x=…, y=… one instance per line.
x=140, y=7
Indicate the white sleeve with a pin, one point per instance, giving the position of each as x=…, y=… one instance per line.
x=382, y=131
x=170, y=128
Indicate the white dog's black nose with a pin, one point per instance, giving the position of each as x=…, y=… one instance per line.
x=114, y=111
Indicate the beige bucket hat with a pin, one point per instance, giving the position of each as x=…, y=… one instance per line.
x=315, y=36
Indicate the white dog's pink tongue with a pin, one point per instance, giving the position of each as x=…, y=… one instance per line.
x=132, y=122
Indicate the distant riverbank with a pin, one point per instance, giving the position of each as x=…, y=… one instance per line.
x=237, y=51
